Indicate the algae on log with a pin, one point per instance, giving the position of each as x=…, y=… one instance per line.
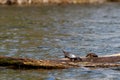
x=25, y=63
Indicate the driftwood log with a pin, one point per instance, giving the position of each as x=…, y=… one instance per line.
x=25, y=63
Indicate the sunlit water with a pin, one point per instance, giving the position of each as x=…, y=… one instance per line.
x=41, y=32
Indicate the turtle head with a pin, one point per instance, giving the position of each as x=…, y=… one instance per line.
x=65, y=54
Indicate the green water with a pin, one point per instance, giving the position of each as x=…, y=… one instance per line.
x=41, y=32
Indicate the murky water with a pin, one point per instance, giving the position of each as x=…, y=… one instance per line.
x=41, y=32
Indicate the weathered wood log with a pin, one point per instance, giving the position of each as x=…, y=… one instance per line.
x=30, y=63
x=23, y=2
x=25, y=63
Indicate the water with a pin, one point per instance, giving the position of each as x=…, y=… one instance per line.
x=41, y=32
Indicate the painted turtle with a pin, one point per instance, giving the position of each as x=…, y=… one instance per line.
x=91, y=55
x=72, y=57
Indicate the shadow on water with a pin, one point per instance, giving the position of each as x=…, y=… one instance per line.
x=41, y=32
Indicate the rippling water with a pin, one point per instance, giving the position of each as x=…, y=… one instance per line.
x=41, y=32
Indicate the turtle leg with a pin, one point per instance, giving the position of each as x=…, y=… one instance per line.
x=75, y=59
x=79, y=59
x=72, y=59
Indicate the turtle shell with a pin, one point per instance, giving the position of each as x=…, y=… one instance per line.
x=72, y=57
x=91, y=55
x=69, y=55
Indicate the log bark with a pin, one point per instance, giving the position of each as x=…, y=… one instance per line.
x=25, y=63
x=28, y=2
